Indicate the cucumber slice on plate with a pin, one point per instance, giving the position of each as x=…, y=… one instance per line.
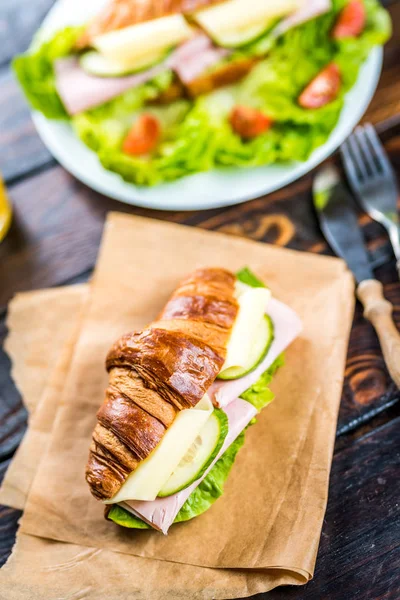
x=200, y=455
x=235, y=23
x=236, y=39
x=98, y=65
x=259, y=348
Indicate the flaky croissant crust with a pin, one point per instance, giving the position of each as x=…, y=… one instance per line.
x=157, y=372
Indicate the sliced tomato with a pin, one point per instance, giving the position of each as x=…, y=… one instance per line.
x=351, y=20
x=322, y=89
x=249, y=122
x=143, y=137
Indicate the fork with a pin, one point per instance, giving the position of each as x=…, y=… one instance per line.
x=373, y=181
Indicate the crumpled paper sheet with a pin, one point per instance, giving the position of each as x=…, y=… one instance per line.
x=39, y=371
x=307, y=472
x=31, y=344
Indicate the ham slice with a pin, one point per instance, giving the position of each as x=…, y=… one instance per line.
x=287, y=327
x=80, y=91
x=310, y=10
x=195, y=56
x=161, y=512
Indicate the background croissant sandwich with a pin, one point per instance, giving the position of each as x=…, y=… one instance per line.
x=172, y=415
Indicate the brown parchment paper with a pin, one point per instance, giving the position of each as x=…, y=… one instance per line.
x=57, y=315
x=43, y=569
x=271, y=513
x=37, y=352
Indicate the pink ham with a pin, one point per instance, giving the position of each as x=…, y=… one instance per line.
x=161, y=513
x=287, y=327
x=310, y=10
x=194, y=57
x=80, y=91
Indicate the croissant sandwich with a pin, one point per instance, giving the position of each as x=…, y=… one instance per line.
x=180, y=394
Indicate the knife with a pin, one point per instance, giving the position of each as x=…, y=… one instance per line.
x=338, y=222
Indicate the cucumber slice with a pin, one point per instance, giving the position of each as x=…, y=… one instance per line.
x=236, y=39
x=260, y=347
x=235, y=23
x=200, y=455
x=98, y=65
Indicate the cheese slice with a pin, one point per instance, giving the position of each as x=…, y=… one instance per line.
x=236, y=22
x=252, y=306
x=150, y=476
x=125, y=46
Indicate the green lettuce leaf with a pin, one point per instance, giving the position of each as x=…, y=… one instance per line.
x=106, y=126
x=35, y=72
x=259, y=394
x=247, y=276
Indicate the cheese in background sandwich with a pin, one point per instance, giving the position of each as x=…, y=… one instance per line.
x=152, y=473
x=238, y=22
x=137, y=42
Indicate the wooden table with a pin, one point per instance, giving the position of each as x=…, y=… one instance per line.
x=54, y=240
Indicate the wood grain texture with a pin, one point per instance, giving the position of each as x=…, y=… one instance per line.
x=8, y=522
x=378, y=310
x=359, y=555
x=21, y=148
x=19, y=21
x=13, y=415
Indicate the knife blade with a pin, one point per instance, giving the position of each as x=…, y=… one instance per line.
x=338, y=221
x=378, y=256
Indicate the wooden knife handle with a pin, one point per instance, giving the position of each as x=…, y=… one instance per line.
x=379, y=311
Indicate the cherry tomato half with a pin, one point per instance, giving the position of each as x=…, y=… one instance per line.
x=351, y=20
x=322, y=89
x=143, y=136
x=249, y=122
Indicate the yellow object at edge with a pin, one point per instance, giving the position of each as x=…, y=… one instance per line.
x=5, y=211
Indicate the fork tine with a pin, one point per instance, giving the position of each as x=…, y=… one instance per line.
x=378, y=149
x=357, y=156
x=366, y=151
x=349, y=166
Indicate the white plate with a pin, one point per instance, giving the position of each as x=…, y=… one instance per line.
x=205, y=190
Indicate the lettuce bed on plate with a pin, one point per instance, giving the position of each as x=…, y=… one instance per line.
x=212, y=486
x=196, y=134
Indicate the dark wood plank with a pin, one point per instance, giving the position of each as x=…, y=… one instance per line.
x=56, y=231
x=359, y=555
x=13, y=415
x=386, y=102
x=19, y=20
x=8, y=522
x=21, y=148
